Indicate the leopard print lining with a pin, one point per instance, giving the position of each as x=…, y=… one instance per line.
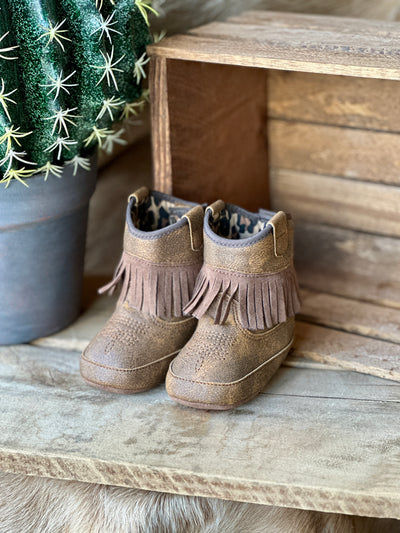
x=231, y=225
x=153, y=213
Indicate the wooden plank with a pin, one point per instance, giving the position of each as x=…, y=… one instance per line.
x=217, y=116
x=160, y=125
x=352, y=352
x=60, y=365
x=294, y=361
x=351, y=315
x=335, y=100
x=264, y=452
x=348, y=263
x=307, y=43
x=336, y=151
x=358, y=205
x=317, y=383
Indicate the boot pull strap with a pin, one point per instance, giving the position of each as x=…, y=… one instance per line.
x=279, y=226
x=139, y=195
x=216, y=206
x=195, y=219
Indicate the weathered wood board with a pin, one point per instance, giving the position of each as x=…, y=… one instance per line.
x=358, y=205
x=160, y=125
x=353, y=316
x=317, y=438
x=337, y=151
x=348, y=263
x=360, y=103
x=286, y=41
x=341, y=255
x=359, y=346
x=349, y=351
x=201, y=109
x=323, y=440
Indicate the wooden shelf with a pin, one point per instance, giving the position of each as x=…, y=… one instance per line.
x=287, y=41
x=316, y=439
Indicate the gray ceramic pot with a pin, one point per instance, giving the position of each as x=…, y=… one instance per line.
x=42, y=247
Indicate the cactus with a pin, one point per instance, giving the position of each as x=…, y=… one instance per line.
x=69, y=71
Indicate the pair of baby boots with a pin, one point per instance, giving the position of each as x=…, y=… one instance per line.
x=207, y=302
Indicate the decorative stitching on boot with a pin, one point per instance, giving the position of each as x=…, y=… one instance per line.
x=135, y=369
x=233, y=383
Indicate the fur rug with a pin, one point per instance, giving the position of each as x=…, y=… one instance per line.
x=39, y=505
x=179, y=15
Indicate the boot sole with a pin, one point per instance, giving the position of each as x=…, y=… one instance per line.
x=211, y=406
x=266, y=368
x=107, y=388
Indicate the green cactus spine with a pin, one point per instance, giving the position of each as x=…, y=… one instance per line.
x=69, y=71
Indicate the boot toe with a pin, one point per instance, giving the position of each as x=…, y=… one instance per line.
x=121, y=368
x=212, y=383
x=122, y=380
x=197, y=391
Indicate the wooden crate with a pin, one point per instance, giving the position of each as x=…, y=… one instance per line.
x=299, y=113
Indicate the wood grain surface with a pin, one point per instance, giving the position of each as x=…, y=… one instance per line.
x=160, y=125
x=359, y=205
x=337, y=151
x=285, y=41
x=312, y=441
x=336, y=100
x=348, y=263
x=351, y=337
x=351, y=315
x=216, y=142
x=349, y=351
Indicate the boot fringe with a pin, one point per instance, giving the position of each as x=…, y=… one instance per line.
x=265, y=300
x=159, y=290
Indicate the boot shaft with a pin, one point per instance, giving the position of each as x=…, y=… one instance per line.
x=239, y=241
x=163, y=253
x=248, y=259
x=163, y=230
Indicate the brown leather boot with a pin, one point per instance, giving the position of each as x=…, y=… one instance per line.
x=245, y=298
x=163, y=253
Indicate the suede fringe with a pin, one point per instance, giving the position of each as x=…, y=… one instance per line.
x=152, y=288
x=265, y=300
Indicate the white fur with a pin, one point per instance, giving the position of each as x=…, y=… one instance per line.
x=40, y=505
x=37, y=505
